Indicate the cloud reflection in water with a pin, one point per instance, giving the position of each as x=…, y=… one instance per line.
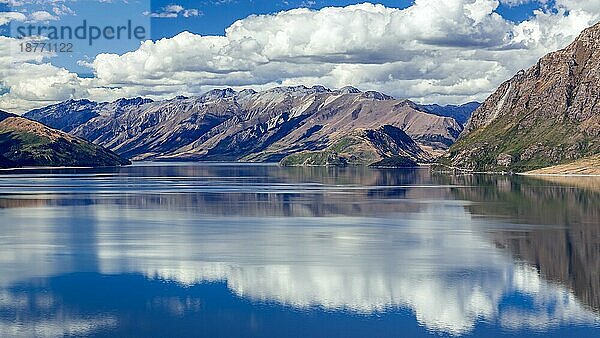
x=422, y=252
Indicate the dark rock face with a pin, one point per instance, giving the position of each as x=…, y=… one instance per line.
x=546, y=115
x=28, y=143
x=225, y=125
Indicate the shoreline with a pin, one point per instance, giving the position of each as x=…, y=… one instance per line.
x=449, y=171
x=47, y=168
x=557, y=175
x=565, y=170
x=62, y=167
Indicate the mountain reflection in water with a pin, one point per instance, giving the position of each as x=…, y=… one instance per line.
x=202, y=247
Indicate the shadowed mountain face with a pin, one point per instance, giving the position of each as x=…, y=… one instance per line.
x=66, y=115
x=250, y=126
x=544, y=116
x=28, y=143
x=460, y=113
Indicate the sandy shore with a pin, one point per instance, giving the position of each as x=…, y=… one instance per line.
x=585, y=167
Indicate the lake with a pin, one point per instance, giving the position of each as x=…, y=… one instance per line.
x=238, y=250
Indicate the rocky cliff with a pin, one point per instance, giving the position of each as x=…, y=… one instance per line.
x=226, y=125
x=546, y=115
x=28, y=143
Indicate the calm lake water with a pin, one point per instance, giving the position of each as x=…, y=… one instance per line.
x=230, y=250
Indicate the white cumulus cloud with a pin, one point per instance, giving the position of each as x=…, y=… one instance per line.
x=174, y=11
x=41, y=16
x=7, y=17
x=433, y=51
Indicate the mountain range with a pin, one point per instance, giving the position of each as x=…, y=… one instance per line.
x=547, y=116
x=295, y=125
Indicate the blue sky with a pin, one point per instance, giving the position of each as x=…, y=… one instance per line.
x=430, y=51
x=94, y=13
x=218, y=15
x=214, y=16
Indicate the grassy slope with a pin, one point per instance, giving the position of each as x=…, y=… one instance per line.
x=27, y=143
x=349, y=150
x=555, y=143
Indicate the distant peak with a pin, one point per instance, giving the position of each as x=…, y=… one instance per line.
x=409, y=103
x=216, y=94
x=296, y=88
x=321, y=89
x=137, y=101
x=300, y=89
x=472, y=103
x=78, y=101
x=248, y=92
x=377, y=95
x=349, y=90
x=465, y=105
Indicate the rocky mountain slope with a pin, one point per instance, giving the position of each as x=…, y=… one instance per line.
x=28, y=143
x=546, y=115
x=227, y=125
